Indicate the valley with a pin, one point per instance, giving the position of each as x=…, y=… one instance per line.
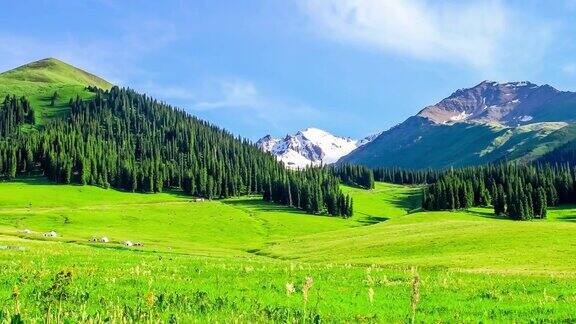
x=235, y=259
x=309, y=161
x=115, y=207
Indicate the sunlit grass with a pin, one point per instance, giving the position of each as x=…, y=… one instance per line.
x=246, y=260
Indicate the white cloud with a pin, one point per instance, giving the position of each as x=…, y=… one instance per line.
x=470, y=32
x=244, y=98
x=234, y=94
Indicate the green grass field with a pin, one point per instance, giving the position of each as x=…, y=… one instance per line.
x=238, y=259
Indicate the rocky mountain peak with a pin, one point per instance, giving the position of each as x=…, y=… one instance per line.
x=491, y=101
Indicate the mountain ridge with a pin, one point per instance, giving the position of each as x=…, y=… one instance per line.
x=40, y=80
x=509, y=103
x=310, y=146
x=53, y=70
x=488, y=122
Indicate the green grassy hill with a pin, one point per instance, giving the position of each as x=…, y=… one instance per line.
x=421, y=146
x=172, y=221
x=237, y=259
x=474, y=240
x=39, y=80
x=52, y=70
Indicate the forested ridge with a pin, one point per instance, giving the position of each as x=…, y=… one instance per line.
x=354, y=175
x=129, y=141
x=519, y=191
x=565, y=153
x=515, y=190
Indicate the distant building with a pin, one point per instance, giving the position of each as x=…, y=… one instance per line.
x=50, y=234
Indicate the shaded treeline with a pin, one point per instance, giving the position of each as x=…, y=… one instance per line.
x=515, y=190
x=354, y=175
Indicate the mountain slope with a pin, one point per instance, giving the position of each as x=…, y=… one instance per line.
x=52, y=70
x=39, y=80
x=130, y=141
x=512, y=103
x=489, y=122
x=311, y=146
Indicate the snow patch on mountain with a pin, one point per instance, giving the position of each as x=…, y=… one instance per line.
x=493, y=102
x=461, y=116
x=525, y=118
x=311, y=146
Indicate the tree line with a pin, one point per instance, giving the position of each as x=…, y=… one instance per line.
x=315, y=190
x=354, y=175
x=518, y=191
x=364, y=177
x=129, y=141
x=406, y=176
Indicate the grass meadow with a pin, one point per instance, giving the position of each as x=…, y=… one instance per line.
x=244, y=260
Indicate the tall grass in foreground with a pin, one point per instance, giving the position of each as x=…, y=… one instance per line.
x=415, y=293
x=60, y=282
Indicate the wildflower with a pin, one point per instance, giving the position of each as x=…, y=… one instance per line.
x=307, y=285
x=371, y=295
x=150, y=299
x=290, y=289
x=415, y=293
x=15, y=295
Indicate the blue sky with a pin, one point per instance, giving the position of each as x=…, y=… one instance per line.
x=352, y=67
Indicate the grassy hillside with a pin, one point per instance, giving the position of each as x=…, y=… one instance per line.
x=473, y=240
x=440, y=146
x=171, y=221
x=39, y=80
x=52, y=70
x=383, y=202
x=236, y=259
x=420, y=145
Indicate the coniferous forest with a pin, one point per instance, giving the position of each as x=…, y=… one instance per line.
x=129, y=141
x=13, y=113
x=355, y=175
x=518, y=191
x=406, y=176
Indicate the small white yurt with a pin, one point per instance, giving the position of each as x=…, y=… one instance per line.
x=51, y=234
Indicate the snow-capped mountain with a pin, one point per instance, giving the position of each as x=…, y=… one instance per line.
x=311, y=146
x=510, y=103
